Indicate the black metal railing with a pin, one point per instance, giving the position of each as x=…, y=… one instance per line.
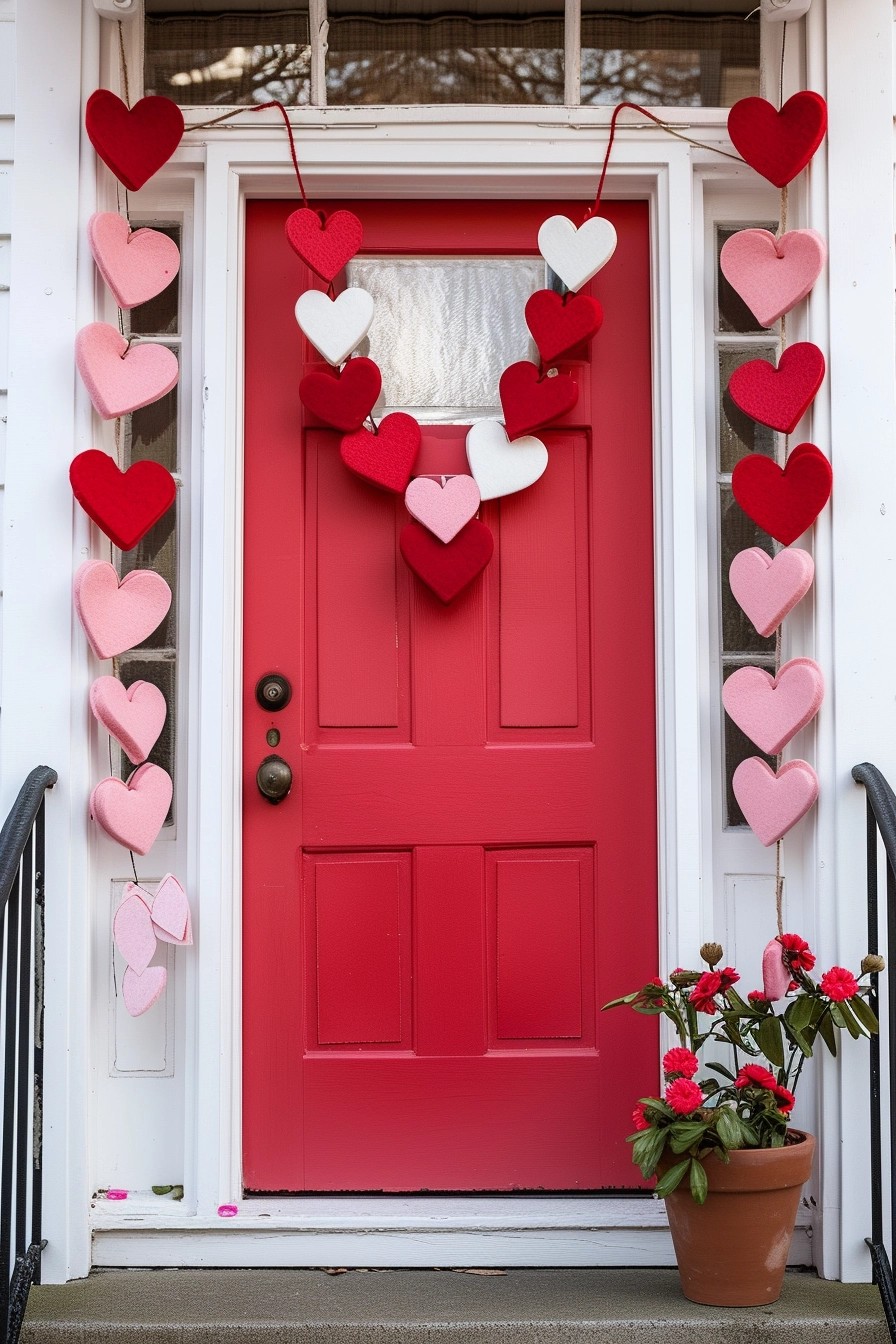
x=22, y=850
x=881, y=821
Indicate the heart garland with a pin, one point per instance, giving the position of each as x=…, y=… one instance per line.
x=140, y=923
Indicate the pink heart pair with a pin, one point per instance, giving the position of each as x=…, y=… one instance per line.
x=768, y=587
x=772, y=274
x=117, y=616
x=121, y=377
x=444, y=506
x=774, y=802
x=772, y=709
x=134, y=715
x=135, y=265
x=138, y=926
x=133, y=812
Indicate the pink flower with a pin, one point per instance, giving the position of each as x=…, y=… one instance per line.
x=684, y=1096
x=784, y=1099
x=757, y=996
x=797, y=953
x=755, y=1075
x=839, y=984
x=729, y=977
x=702, y=995
x=680, y=1061
x=639, y=1117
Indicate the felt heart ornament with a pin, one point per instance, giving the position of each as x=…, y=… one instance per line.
x=385, y=458
x=133, y=933
x=342, y=398
x=772, y=709
x=443, y=506
x=776, y=977
x=134, y=142
x=774, y=802
x=500, y=467
x=560, y=322
x=783, y=501
x=118, y=616
x=767, y=587
x=123, y=504
x=171, y=912
x=530, y=400
x=772, y=274
x=779, y=397
x=447, y=568
x=133, y=813
x=134, y=715
x=337, y=326
x=140, y=992
x=576, y=254
x=778, y=144
x=325, y=244
x=122, y=379
x=135, y=265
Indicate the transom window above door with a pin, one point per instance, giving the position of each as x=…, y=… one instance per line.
x=684, y=53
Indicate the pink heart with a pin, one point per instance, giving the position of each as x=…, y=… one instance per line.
x=776, y=976
x=772, y=803
x=119, y=379
x=171, y=912
x=136, y=266
x=133, y=812
x=132, y=931
x=768, y=587
x=117, y=616
x=770, y=710
x=444, y=507
x=772, y=274
x=140, y=992
x=134, y=715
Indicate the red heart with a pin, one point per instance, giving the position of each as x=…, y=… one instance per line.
x=530, y=400
x=784, y=501
x=779, y=397
x=124, y=504
x=778, y=144
x=134, y=142
x=447, y=569
x=326, y=244
x=343, y=400
x=560, y=322
x=385, y=458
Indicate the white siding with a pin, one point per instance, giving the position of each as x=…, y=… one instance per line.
x=7, y=112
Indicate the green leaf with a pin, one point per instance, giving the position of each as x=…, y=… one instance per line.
x=686, y=1135
x=847, y=1019
x=728, y=1127
x=865, y=1014
x=162, y=1189
x=735, y=999
x=798, y=1039
x=750, y=1135
x=699, y=1183
x=616, y=1003
x=648, y=1149
x=720, y=1068
x=672, y=1178
x=800, y=1012
x=771, y=1041
x=827, y=1033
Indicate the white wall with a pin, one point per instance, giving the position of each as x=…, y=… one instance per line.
x=7, y=129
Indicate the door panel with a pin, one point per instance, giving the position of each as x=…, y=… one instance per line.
x=465, y=868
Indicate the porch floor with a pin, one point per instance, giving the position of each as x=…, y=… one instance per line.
x=536, y=1306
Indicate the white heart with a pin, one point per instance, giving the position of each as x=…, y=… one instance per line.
x=499, y=466
x=337, y=326
x=576, y=254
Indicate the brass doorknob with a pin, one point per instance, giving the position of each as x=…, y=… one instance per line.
x=274, y=779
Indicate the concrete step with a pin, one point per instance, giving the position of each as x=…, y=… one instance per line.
x=535, y=1306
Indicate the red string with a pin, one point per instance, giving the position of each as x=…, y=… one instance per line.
x=635, y=107
x=292, y=144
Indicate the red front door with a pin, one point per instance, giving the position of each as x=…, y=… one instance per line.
x=465, y=869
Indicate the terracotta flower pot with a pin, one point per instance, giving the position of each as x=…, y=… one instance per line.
x=732, y=1250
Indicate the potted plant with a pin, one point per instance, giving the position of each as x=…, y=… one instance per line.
x=728, y=1164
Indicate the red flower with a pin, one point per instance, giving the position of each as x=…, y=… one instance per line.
x=797, y=953
x=839, y=984
x=784, y=1099
x=680, y=1061
x=701, y=996
x=755, y=1075
x=729, y=977
x=657, y=981
x=684, y=1096
x=639, y=1116
x=757, y=996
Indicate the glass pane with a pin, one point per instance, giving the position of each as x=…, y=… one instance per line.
x=161, y=673
x=738, y=433
x=158, y=317
x=734, y=315
x=737, y=533
x=158, y=551
x=647, y=55
x=444, y=330
x=151, y=432
x=408, y=51
x=738, y=747
x=232, y=58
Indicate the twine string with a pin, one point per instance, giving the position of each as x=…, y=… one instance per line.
x=123, y=62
